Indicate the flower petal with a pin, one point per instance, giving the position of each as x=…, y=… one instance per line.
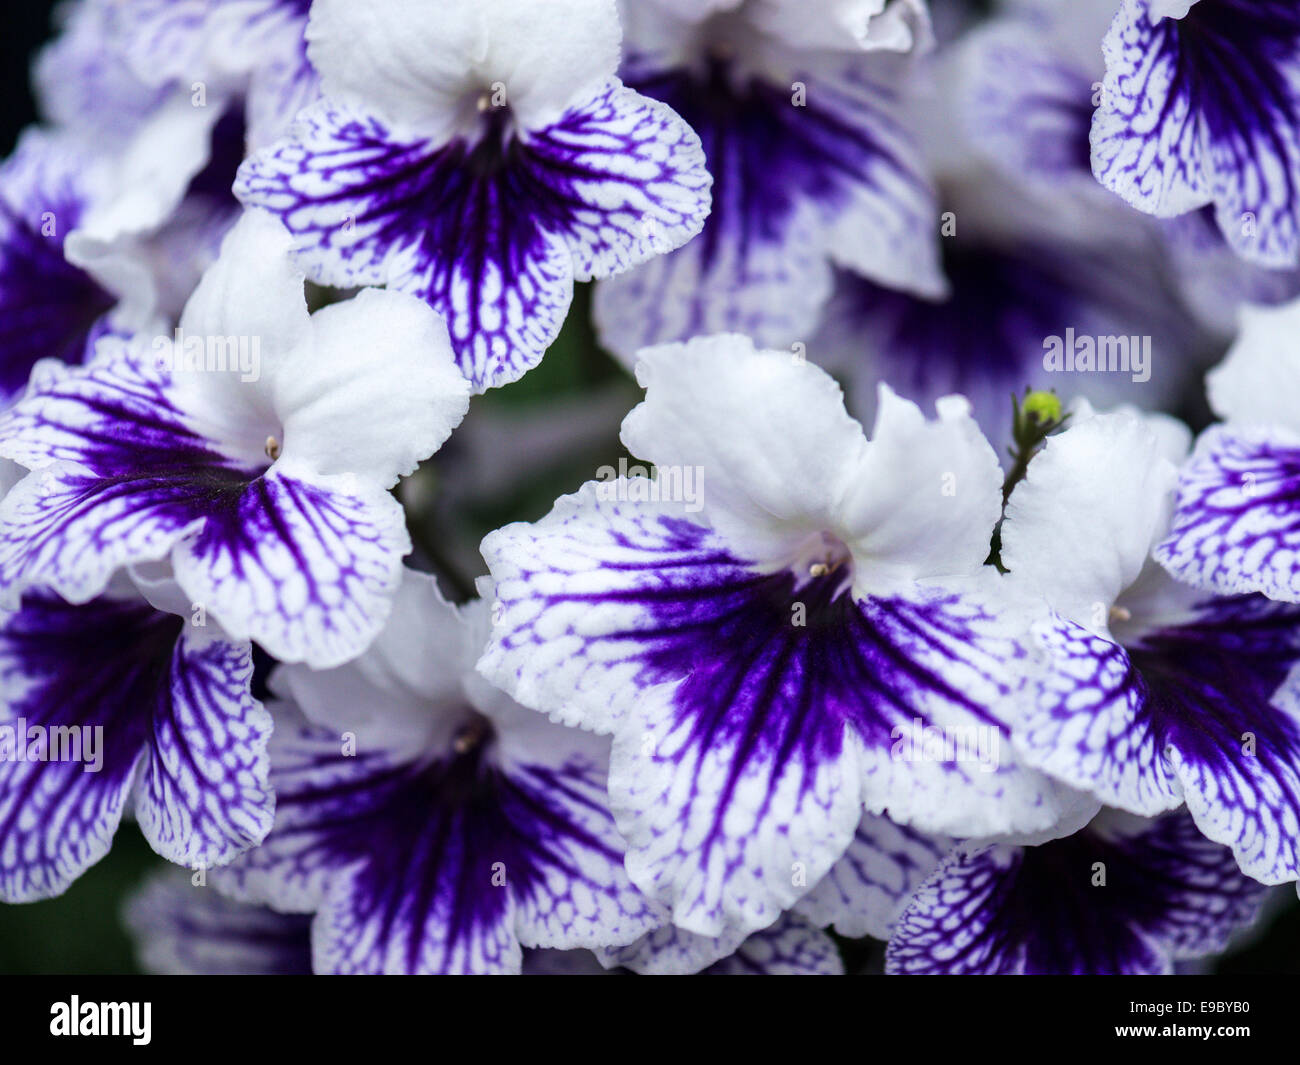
x=1080, y=527
x=204, y=796
x=1202, y=109
x=1236, y=527
x=866, y=889
x=183, y=930
x=304, y=565
x=775, y=449
x=1096, y=902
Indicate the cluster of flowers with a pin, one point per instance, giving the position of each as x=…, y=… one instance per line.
x=1043, y=718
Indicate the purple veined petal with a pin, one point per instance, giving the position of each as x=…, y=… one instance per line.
x=752, y=718
x=635, y=177
x=304, y=565
x=78, y=669
x=1222, y=705
x=71, y=532
x=788, y=947
x=446, y=864
x=1096, y=902
x=1204, y=109
x=1008, y=301
x=1236, y=527
x=203, y=796
x=796, y=187
x=866, y=889
x=49, y=307
x=118, y=478
x=109, y=682
x=1089, y=722
x=492, y=233
x=183, y=930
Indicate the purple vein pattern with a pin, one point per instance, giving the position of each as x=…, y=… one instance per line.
x=167, y=711
x=443, y=863
x=1206, y=109
x=1095, y=902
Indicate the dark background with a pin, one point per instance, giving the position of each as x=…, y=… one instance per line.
x=81, y=931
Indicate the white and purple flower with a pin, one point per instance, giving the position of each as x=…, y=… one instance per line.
x=483, y=158
x=262, y=479
x=812, y=165
x=1201, y=105
x=1124, y=896
x=758, y=659
x=1153, y=693
x=428, y=822
x=114, y=705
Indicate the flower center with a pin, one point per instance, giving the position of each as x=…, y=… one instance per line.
x=823, y=556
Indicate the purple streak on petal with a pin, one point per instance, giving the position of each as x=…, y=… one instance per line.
x=1207, y=108
x=1237, y=523
x=1168, y=893
x=491, y=228
x=105, y=665
x=417, y=846
x=1209, y=694
x=49, y=308
x=767, y=156
x=776, y=690
x=180, y=929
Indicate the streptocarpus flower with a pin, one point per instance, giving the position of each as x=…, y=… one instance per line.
x=812, y=165
x=263, y=479
x=184, y=929
x=790, y=946
x=483, y=157
x=1201, y=105
x=1154, y=693
x=870, y=25
x=50, y=307
x=1122, y=896
x=254, y=50
x=113, y=702
x=755, y=645
x=1237, y=524
x=431, y=824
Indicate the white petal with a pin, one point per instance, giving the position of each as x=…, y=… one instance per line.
x=375, y=393
x=925, y=500
x=422, y=65
x=1081, y=526
x=1259, y=382
x=768, y=433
